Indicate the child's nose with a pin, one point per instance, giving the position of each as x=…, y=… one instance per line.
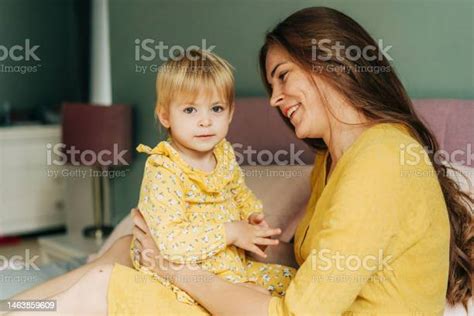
x=205, y=121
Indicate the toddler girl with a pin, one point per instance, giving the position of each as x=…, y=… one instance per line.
x=193, y=196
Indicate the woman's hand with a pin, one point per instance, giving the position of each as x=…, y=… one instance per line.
x=248, y=236
x=214, y=294
x=149, y=253
x=258, y=219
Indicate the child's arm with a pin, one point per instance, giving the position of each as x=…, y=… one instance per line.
x=163, y=208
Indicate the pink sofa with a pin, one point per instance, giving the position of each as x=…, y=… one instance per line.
x=452, y=122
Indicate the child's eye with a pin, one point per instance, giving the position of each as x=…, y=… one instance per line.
x=189, y=110
x=217, y=108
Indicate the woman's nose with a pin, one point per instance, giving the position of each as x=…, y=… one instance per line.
x=277, y=97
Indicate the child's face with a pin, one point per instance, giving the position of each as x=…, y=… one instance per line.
x=198, y=125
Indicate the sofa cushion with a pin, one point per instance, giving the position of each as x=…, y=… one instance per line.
x=284, y=191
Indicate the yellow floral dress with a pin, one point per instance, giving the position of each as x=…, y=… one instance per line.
x=186, y=208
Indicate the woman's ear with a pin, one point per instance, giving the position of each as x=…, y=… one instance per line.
x=163, y=116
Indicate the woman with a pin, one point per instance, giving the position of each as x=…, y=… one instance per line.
x=376, y=238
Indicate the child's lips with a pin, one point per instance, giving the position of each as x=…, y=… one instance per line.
x=205, y=136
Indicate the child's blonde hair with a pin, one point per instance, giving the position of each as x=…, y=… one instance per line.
x=196, y=71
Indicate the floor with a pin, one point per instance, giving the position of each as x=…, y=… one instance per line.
x=17, y=264
x=25, y=246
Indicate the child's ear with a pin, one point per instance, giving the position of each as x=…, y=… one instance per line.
x=232, y=107
x=163, y=116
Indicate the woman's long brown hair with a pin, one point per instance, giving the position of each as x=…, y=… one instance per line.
x=382, y=98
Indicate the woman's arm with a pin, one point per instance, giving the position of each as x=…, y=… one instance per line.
x=218, y=296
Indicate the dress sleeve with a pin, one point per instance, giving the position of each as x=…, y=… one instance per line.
x=351, y=246
x=162, y=205
x=244, y=197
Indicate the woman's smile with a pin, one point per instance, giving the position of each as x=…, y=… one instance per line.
x=289, y=111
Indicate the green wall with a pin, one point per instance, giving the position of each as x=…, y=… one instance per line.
x=59, y=27
x=433, y=49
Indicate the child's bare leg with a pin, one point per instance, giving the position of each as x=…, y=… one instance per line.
x=118, y=253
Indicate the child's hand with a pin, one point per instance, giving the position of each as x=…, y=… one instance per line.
x=248, y=236
x=258, y=219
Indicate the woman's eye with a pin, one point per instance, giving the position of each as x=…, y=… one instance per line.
x=217, y=108
x=189, y=110
x=282, y=76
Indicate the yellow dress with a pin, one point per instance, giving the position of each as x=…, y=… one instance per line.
x=382, y=204
x=186, y=208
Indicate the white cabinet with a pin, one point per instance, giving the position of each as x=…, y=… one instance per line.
x=31, y=191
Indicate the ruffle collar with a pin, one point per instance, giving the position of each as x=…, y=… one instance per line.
x=213, y=181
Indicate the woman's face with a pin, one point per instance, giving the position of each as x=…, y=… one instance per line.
x=294, y=93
